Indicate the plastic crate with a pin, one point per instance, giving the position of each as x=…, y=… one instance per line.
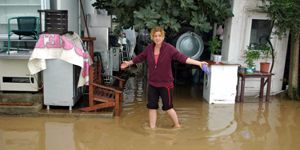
x=55, y=21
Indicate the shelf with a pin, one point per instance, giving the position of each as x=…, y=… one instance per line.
x=20, y=2
x=4, y=37
x=8, y=12
x=20, y=5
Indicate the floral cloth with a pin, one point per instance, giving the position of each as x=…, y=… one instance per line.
x=66, y=47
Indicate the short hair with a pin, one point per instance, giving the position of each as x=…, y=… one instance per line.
x=157, y=29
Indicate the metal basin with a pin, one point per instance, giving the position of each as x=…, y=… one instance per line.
x=190, y=44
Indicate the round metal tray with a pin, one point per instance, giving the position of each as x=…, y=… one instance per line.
x=190, y=44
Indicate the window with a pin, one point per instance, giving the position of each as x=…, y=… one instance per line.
x=260, y=30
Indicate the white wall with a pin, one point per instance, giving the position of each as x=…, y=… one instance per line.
x=99, y=25
x=73, y=13
x=236, y=38
x=16, y=8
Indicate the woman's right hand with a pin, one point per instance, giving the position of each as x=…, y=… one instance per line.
x=125, y=64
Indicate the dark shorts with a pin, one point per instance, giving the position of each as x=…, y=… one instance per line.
x=166, y=94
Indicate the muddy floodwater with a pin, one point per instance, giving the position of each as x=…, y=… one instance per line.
x=242, y=126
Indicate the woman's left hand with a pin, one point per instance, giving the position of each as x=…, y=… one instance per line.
x=202, y=63
x=195, y=62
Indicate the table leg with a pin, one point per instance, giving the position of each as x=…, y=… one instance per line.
x=268, y=88
x=261, y=90
x=237, y=90
x=242, y=89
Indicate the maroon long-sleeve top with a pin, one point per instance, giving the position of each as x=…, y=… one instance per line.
x=160, y=74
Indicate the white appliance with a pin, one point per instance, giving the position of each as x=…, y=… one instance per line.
x=220, y=84
x=60, y=84
x=115, y=60
x=14, y=74
x=99, y=27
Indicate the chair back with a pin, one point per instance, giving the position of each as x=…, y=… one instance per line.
x=27, y=23
x=98, y=66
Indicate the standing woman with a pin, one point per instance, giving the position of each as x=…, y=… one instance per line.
x=159, y=56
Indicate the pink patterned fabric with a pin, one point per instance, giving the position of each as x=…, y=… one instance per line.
x=67, y=48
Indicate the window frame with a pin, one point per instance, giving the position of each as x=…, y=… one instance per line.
x=252, y=16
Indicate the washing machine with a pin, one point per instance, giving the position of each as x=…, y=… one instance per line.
x=220, y=84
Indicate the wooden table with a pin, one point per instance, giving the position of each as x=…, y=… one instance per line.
x=263, y=77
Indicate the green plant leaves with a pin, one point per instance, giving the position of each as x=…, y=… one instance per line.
x=251, y=56
x=285, y=14
x=199, y=22
x=170, y=14
x=214, y=46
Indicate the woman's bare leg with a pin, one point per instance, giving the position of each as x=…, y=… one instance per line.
x=152, y=118
x=173, y=115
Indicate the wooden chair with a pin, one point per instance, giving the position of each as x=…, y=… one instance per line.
x=102, y=95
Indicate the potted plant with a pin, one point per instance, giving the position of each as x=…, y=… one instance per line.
x=215, y=49
x=266, y=51
x=251, y=55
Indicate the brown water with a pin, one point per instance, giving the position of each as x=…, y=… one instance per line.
x=242, y=126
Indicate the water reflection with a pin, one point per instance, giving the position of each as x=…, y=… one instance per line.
x=26, y=140
x=221, y=121
x=59, y=136
x=255, y=120
x=241, y=126
x=133, y=91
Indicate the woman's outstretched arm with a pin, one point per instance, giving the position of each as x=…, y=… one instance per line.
x=195, y=62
